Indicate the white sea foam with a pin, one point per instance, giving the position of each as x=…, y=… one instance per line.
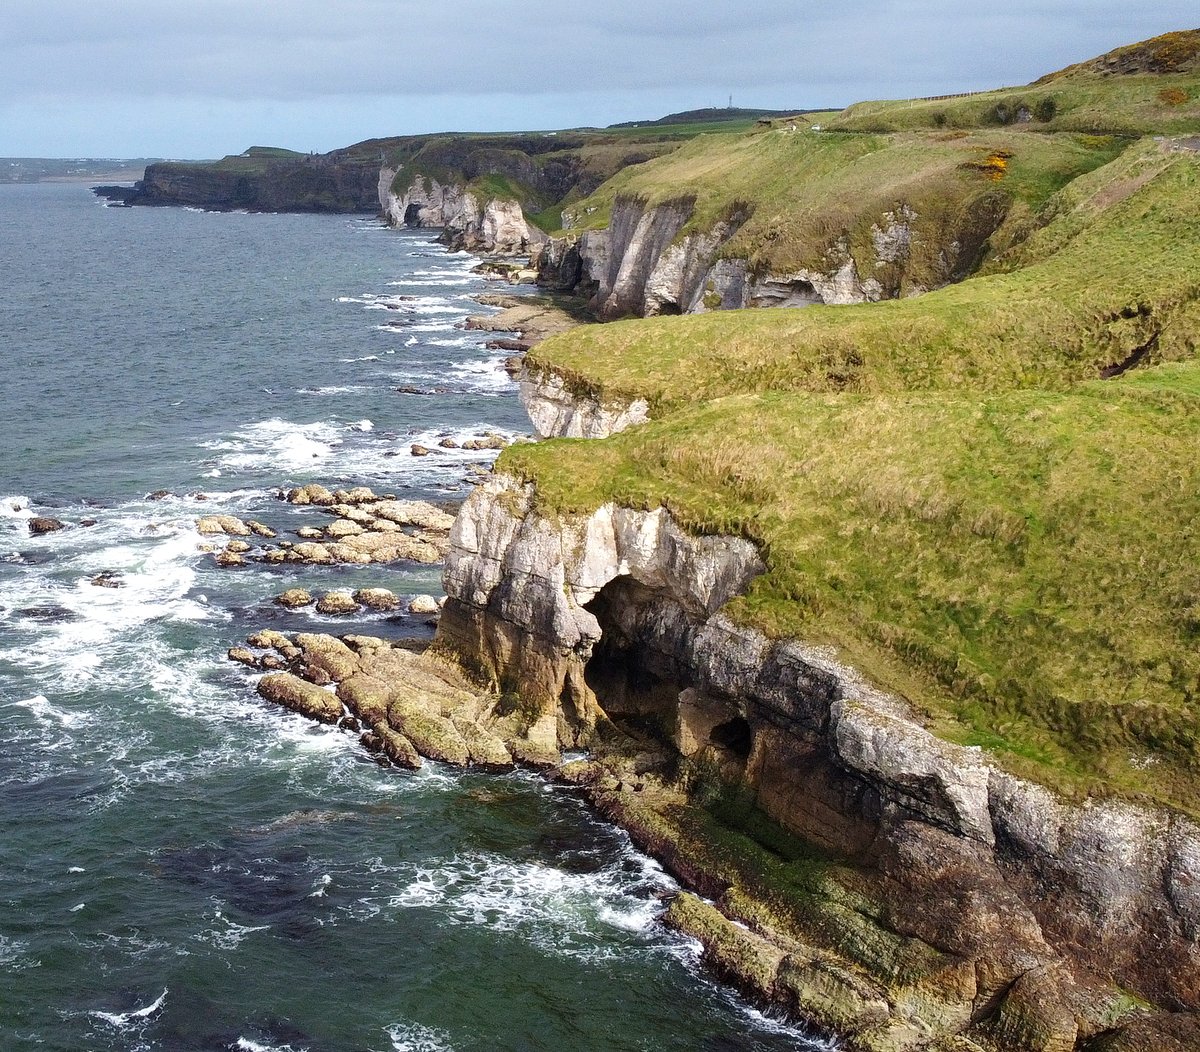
x=488, y=375
x=555, y=909
x=226, y=934
x=14, y=954
x=15, y=506
x=50, y=715
x=121, y=1020
x=412, y=1037
x=278, y=444
x=244, y=1044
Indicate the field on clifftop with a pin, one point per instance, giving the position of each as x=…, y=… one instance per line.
x=986, y=496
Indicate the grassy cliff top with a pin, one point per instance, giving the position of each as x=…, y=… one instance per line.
x=985, y=497
x=810, y=196
x=1110, y=280
x=1024, y=566
x=1152, y=87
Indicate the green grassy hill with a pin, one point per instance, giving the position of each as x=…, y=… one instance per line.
x=1147, y=88
x=1113, y=274
x=986, y=496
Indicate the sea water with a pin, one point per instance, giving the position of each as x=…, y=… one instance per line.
x=181, y=865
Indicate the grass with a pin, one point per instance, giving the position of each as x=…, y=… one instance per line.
x=1115, y=269
x=1148, y=88
x=944, y=488
x=1132, y=105
x=813, y=200
x=1024, y=566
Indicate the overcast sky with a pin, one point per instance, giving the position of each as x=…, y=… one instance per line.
x=202, y=78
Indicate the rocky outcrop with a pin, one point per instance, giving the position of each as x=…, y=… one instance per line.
x=469, y=221
x=556, y=411
x=963, y=900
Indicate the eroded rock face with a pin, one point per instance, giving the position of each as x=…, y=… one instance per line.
x=558, y=412
x=495, y=225
x=1025, y=910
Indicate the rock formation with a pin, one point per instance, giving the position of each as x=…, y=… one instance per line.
x=468, y=220
x=958, y=899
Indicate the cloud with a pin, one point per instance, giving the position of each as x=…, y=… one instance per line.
x=251, y=55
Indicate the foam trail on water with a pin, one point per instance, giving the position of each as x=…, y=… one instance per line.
x=124, y=1019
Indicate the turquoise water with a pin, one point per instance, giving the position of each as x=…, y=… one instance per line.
x=184, y=867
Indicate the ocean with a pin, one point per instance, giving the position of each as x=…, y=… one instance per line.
x=184, y=866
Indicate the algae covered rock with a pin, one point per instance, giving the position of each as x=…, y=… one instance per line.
x=300, y=696
x=294, y=598
x=328, y=654
x=736, y=954
x=434, y=736
x=337, y=603
x=397, y=748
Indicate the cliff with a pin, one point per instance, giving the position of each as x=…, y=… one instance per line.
x=788, y=216
x=260, y=180
x=952, y=898
x=469, y=219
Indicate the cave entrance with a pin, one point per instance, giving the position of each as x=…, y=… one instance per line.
x=633, y=670
x=412, y=215
x=734, y=735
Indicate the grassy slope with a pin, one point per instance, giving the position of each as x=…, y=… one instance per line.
x=810, y=192
x=1151, y=87
x=1117, y=264
x=1024, y=565
x=1087, y=102
x=942, y=487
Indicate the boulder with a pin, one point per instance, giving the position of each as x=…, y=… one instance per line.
x=294, y=598
x=108, y=579
x=397, y=748
x=313, y=493
x=423, y=604
x=327, y=653
x=259, y=528
x=357, y=495
x=414, y=513
x=368, y=697
x=340, y=528
x=418, y=450
x=229, y=558
x=343, y=553
x=337, y=603
x=237, y=547
x=242, y=656
x=485, y=748
x=227, y=524
x=310, y=552
x=42, y=524
x=377, y=599
x=434, y=736
x=300, y=696
x=310, y=533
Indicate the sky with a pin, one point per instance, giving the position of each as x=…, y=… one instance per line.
x=204, y=78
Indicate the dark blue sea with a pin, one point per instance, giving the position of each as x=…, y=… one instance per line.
x=182, y=866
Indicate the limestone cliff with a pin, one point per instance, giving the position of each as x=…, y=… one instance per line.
x=962, y=900
x=647, y=262
x=468, y=220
